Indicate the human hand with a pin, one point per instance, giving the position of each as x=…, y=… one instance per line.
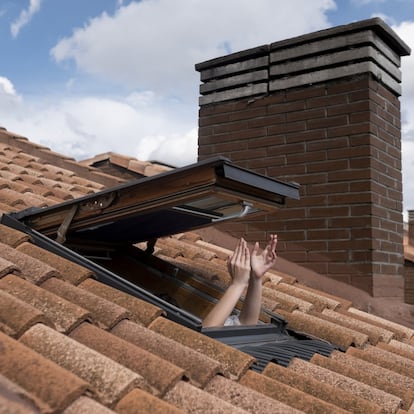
x=262, y=262
x=238, y=263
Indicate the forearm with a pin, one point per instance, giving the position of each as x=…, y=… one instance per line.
x=224, y=306
x=252, y=303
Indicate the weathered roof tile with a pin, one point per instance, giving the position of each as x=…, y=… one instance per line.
x=139, y=401
x=73, y=272
x=15, y=399
x=311, y=384
x=102, y=311
x=365, y=375
x=234, y=363
x=140, y=311
x=323, y=329
x=30, y=268
x=159, y=374
x=86, y=405
x=43, y=378
x=288, y=395
x=198, y=367
x=355, y=396
x=17, y=316
x=246, y=398
x=110, y=380
x=62, y=314
x=193, y=400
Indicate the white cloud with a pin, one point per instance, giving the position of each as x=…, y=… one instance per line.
x=25, y=17
x=154, y=45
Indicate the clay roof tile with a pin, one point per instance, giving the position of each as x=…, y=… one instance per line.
x=49, y=382
x=11, y=236
x=354, y=396
x=62, y=314
x=288, y=395
x=198, y=367
x=353, y=358
x=313, y=325
x=375, y=333
x=140, y=310
x=73, y=272
x=233, y=362
x=103, y=312
x=159, y=374
x=139, y=401
x=15, y=399
x=193, y=400
x=16, y=316
x=86, y=405
x=7, y=267
x=364, y=375
x=108, y=379
x=31, y=269
x=246, y=398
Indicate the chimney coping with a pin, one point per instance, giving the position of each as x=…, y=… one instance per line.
x=375, y=24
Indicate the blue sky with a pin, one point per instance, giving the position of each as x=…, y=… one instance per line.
x=90, y=76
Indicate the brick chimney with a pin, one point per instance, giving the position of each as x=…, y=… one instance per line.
x=322, y=110
x=411, y=227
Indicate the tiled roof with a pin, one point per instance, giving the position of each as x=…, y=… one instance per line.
x=70, y=344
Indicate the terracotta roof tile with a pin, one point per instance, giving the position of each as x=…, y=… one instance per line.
x=352, y=359
x=246, y=398
x=31, y=269
x=385, y=359
x=366, y=376
x=73, y=272
x=198, y=367
x=49, y=382
x=312, y=385
x=323, y=329
x=286, y=301
x=375, y=333
x=110, y=380
x=85, y=405
x=30, y=175
x=318, y=300
x=356, y=396
x=140, y=311
x=7, y=267
x=159, y=374
x=138, y=401
x=62, y=314
x=288, y=395
x=17, y=316
x=102, y=311
x=400, y=348
x=15, y=399
x=401, y=332
x=233, y=362
x=193, y=400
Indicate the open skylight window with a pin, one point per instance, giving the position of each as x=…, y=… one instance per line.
x=180, y=200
